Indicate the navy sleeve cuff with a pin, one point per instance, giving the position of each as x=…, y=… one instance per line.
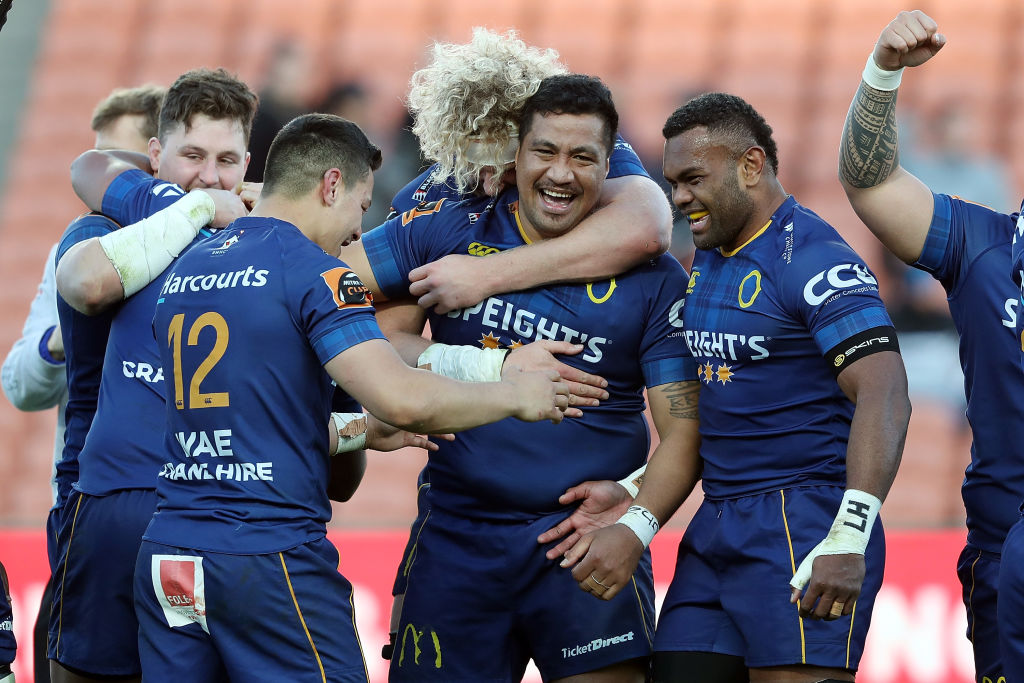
x=44, y=352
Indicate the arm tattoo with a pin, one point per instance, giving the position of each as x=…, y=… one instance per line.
x=682, y=397
x=868, y=152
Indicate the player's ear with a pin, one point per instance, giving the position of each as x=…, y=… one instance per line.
x=331, y=186
x=154, y=150
x=751, y=165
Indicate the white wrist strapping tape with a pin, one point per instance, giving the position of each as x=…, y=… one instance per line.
x=642, y=523
x=351, y=431
x=879, y=78
x=849, y=534
x=629, y=482
x=141, y=251
x=465, y=363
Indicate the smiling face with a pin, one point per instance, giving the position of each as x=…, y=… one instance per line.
x=560, y=169
x=209, y=153
x=705, y=178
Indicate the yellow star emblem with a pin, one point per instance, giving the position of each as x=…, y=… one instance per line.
x=515, y=345
x=489, y=341
x=707, y=374
x=724, y=373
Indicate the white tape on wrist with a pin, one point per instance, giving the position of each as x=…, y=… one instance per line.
x=641, y=522
x=629, y=483
x=879, y=78
x=141, y=251
x=351, y=431
x=465, y=363
x=849, y=535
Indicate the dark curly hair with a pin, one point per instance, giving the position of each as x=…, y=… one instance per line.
x=727, y=115
x=572, y=94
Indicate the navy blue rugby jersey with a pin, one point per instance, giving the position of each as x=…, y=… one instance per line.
x=759, y=321
x=968, y=251
x=85, y=343
x=245, y=322
x=622, y=162
x=630, y=327
x=124, y=447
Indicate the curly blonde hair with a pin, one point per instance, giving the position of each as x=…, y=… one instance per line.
x=472, y=94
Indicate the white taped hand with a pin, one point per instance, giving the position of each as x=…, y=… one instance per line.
x=849, y=534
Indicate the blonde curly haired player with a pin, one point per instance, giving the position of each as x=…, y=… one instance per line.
x=466, y=101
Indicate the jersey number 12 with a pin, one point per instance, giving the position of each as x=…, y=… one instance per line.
x=197, y=399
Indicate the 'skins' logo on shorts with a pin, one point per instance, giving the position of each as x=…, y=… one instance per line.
x=418, y=644
x=180, y=588
x=477, y=249
x=347, y=289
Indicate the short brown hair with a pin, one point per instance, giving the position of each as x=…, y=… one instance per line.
x=144, y=101
x=213, y=92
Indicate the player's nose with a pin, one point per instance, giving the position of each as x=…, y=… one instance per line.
x=681, y=197
x=208, y=174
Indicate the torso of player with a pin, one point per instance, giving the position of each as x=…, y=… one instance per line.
x=124, y=447
x=85, y=341
x=969, y=251
x=245, y=325
x=629, y=327
x=759, y=321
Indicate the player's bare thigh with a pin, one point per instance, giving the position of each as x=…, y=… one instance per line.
x=633, y=671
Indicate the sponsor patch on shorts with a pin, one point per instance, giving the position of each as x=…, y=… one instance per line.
x=180, y=589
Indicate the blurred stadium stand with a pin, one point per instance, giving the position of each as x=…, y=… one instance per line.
x=797, y=61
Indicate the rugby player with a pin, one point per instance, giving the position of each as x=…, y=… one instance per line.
x=967, y=248
x=200, y=145
x=465, y=617
x=465, y=105
x=126, y=119
x=237, y=549
x=803, y=413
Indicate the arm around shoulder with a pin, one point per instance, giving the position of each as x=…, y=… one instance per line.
x=93, y=171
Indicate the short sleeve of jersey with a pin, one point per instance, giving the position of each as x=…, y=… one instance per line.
x=418, y=236
x=135, y=195
x=82, y=228
x=944, y=245
x=330, y=303
x=624, y=161
x=664, y=354
x=834, y=293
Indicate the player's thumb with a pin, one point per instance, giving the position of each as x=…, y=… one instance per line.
x=803, y=572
